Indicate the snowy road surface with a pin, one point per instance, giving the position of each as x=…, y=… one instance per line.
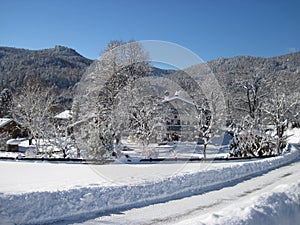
x=253, y=201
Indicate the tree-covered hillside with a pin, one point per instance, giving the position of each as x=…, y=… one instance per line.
x=279, y=74
x=60, y=67
x=63, y=67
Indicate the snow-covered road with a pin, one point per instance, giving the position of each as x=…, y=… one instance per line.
x=253, y=201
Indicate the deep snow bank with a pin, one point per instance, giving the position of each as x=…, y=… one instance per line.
x=42, y=207
x=280, y=206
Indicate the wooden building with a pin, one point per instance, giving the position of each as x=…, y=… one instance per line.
x=11, y=127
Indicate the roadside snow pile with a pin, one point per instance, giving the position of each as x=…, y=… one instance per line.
x=46, y=206
x=281, y=206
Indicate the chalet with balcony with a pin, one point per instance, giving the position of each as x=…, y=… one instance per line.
x=181, y=118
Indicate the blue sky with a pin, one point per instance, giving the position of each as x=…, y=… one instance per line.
x=211, y=28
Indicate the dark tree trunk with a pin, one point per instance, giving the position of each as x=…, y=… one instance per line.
x=204, y=150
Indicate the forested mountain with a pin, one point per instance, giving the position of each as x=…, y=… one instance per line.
x=61, y=67
x=234, y=74
x=230, y=71
x=267, y=77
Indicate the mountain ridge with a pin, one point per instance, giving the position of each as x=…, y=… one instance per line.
x=63, y=67
x=59, y=66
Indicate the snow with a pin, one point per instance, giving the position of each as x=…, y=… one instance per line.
x=293, y=135
x=65, y=115
x=275, y=201
x=178, y=98
x=228, y=204
x=171, y=150
x=4, y=121
x=16, y=141
x=178, y=150
x=46, y=148
x=39, y=193
x=45, y=192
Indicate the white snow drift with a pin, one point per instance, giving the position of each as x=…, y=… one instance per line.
x=49, y=203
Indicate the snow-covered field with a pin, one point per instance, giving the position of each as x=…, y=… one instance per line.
x=35, y=193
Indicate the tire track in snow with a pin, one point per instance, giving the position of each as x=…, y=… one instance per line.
x=287, y=175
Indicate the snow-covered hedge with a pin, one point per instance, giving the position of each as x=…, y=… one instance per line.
x=42, y=207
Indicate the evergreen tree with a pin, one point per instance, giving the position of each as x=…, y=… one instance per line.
x=5, y=102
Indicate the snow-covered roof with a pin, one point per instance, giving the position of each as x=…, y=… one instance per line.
x=178, y=98
x=15, y=141
x=65, y=115
x=4, y=121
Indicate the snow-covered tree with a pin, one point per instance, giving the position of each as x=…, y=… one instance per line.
x=203, y=117
x=99, y=140
x=209, y=119
x=59, y=136
x=250, y=139
x=211, y=106
x=253, y=92
x=268, y=105
x=145, y=121
x=70, y=129
x=31, y=107
x=98, y=93
x=279, y=109
x=5, y=101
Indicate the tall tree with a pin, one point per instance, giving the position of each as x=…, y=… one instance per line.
x=269, y=104
x=250, y=139
x=144, y=115
x=280, y=109
x=119, y=66
x=31, y=107
x=255, y=90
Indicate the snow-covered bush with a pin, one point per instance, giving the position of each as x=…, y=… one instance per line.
x=248, y=143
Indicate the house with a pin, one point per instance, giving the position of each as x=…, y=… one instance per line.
x=11, y=128
x=181, y=115
x=62, y=120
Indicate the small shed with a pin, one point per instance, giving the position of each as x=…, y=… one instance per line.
x=13, y=144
